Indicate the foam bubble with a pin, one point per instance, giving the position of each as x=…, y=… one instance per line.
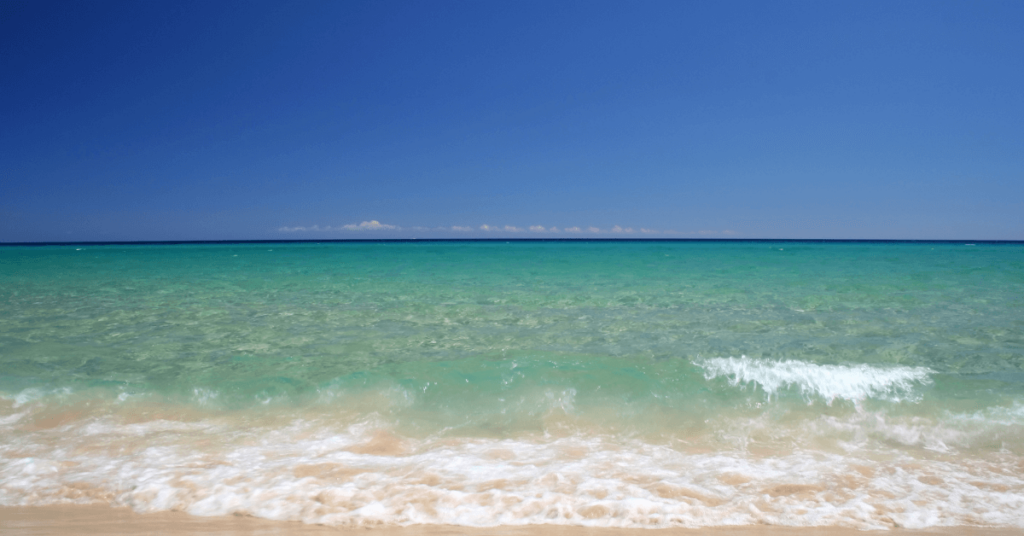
x=364, y=474
x=12, y=418
x=32, y=394
x=831, y=382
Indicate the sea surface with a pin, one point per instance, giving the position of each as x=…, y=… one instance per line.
x=613, y=384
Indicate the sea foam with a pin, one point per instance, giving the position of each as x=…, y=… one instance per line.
x=362, y=475
x=830, y=382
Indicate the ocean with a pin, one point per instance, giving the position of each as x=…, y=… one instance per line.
x=484, y=383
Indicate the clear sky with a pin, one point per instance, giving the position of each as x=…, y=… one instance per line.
x=189, y=120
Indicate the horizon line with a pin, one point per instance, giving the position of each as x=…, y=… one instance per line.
x=538, y=239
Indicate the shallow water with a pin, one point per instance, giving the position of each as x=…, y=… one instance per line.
x=627, y=384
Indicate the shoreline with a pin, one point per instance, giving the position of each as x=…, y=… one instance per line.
x=101, y=519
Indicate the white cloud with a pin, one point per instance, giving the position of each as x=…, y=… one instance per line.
x=728, y=231
x=507, y=228
x=372, y=225
x=297, y=229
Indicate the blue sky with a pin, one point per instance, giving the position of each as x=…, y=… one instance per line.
x=263, y=120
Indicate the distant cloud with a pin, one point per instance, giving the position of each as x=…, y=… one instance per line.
x=311, y=228
x=372, y=225
x=729, y=231
x=507, y=228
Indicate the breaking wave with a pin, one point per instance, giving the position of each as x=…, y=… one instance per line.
x=830, y=382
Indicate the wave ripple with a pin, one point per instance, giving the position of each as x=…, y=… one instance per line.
x=831, y=382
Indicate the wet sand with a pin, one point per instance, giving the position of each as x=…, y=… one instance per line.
x=95, y=520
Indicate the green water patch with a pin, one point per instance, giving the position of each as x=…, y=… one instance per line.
x=777, y=406
x=183, y=316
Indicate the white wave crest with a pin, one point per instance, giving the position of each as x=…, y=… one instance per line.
x=846, y=382
x=32, y=394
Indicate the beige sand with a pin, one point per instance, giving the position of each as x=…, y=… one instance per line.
x=93, y=520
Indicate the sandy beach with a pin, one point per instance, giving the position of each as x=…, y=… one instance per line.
x=73, y=519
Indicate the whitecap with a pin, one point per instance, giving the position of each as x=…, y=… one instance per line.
x=831, y=382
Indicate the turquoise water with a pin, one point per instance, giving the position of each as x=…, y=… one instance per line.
x=871, y=385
